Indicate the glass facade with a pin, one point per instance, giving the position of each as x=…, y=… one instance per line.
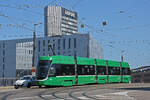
x=24, y=52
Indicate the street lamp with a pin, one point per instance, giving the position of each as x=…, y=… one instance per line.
x=122, y=58
x=34, y=48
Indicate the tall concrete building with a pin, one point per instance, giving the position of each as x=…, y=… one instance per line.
x=60, y=21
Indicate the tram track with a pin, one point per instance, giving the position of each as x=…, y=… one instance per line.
x=58, y=97
x=90, y=97
x=41, y=93
x=60, y=91
x=94, y=89
x=8, y=94
x=3, y=93
x=70, y=94
x=84, y=92
x=53, y=94
x=65, y=93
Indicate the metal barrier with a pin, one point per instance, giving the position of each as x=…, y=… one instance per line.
x=7, y=81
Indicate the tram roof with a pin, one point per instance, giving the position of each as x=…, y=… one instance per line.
x=83, y=61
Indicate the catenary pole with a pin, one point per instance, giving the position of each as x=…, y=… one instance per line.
x=34, y=49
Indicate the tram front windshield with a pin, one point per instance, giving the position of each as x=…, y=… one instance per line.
x=43, y=68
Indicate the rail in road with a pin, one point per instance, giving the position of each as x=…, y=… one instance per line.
x=86, y=92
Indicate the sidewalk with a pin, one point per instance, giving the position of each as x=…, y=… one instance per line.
x=6, y=87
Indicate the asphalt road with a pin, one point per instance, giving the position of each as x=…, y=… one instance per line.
x=85, y=92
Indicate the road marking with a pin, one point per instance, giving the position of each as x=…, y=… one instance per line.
x=46, y=95
x=26, y=98
x=120, y=93
x=123, y=94
x=106, y=95
x=103, y=97
x=77, y=92
x=83, y=98
x=67, y=93
x=61, y=93
x=100, y=96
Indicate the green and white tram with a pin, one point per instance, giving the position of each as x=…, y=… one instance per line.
x=69, y=70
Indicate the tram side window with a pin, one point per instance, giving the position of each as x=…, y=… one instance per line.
x=114, y=70
x=85, y=70
x=64, y=69
x=91, y=70
x=80, y=70
x=101, y=70
x=126, y=71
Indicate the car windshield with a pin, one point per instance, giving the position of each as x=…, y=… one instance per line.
x=25, y=78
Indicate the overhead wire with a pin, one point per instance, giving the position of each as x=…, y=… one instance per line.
x=77, y=3
x=24, y=27
x=86, y=25
x=20, y=8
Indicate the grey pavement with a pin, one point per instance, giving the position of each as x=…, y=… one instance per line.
x=84, y=92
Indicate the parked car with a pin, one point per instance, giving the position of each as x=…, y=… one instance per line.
x=25, y=81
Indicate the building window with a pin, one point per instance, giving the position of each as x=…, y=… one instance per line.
x=43, y=43
x=3, y=69
x=3, y=45
x=49, y=47
x=64, y=42
x=39, y=45
x=74, y=42
x=53, y=46
x=48, y=41
x=58, y=44
x=3, y=59
x=69, y=43
x=75, y=53
x=3, y=52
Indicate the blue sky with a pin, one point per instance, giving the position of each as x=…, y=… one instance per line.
x=127, y=31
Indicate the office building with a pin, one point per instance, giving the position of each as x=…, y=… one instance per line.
x=82, y=45
x=60, y=21
x=16, y=55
